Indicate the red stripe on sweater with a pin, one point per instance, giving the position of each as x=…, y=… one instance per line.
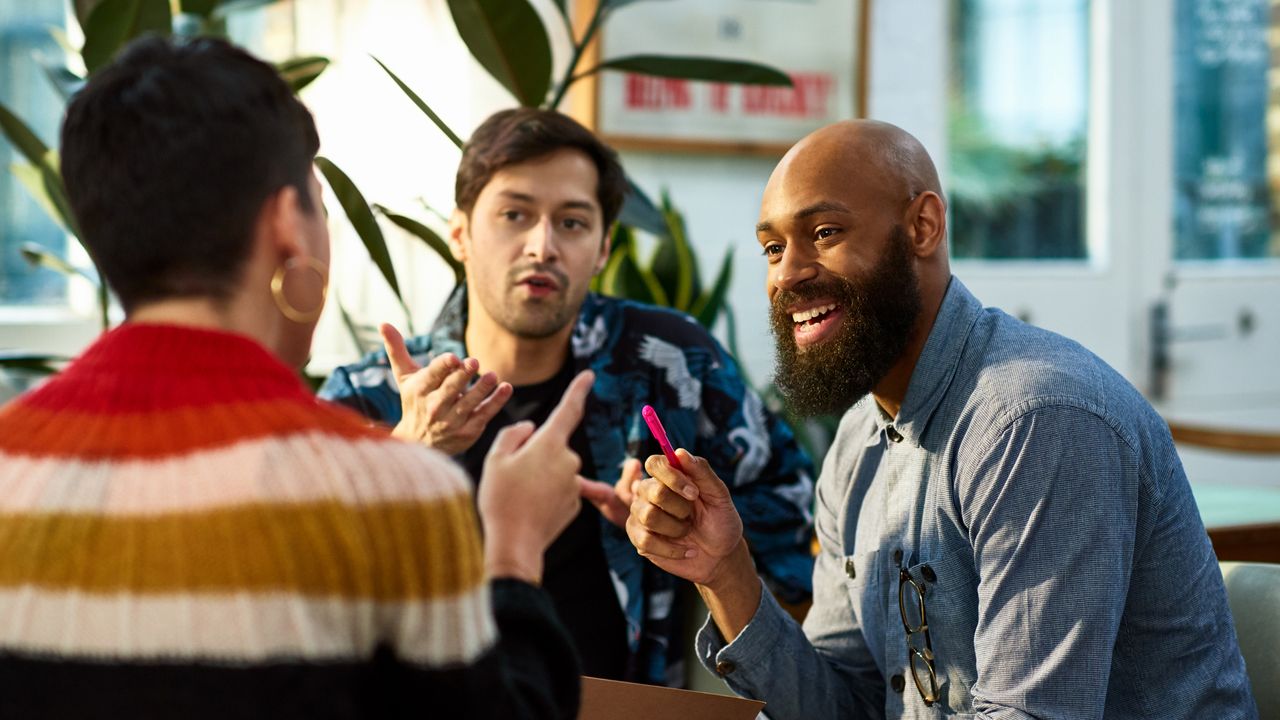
x=29, y=430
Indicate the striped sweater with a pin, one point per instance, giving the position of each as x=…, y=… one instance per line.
x=185, y=531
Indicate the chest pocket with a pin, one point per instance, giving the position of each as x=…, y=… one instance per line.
x=865, y=577
x=951, y=607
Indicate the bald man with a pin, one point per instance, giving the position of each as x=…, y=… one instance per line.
x=1006, y=530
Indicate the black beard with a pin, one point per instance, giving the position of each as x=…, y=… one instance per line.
x=880, y=312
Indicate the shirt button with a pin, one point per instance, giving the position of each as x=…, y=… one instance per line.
x=724, y=667
x=897, y=556
x=897, y=682
x=929, y=574
x=893, y=433
x=849, y=569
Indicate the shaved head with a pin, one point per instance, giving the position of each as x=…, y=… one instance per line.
x=863, y=154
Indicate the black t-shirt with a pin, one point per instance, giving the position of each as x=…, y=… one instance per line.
x=576, y=575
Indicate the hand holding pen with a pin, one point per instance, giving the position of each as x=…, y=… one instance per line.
x=683, y=518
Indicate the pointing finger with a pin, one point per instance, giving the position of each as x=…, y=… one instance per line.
x=509, y=439
x=626, y=483
x=568, y=413
x=397, y=353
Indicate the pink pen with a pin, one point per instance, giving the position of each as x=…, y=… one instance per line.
x=655, y=427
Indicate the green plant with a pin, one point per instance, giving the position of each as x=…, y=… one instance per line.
x=508, y=39
x=670, y=277
x=108, y=26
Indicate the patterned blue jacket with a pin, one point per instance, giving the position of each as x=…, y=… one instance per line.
x=642, y=354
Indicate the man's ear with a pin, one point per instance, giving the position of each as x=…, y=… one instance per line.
x=458, y=230
x=606, y=245
x=927, y=224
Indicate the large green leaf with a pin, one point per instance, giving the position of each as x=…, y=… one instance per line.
x=51, y=175
x=64, y=82
x=299, y=72
x=23, y=139
x=361, y=218
x=638, y=211
x=44, y=181
x=697, y=68
x=674, y=265
x=430, y=237
x=32, y=362
x=712, y=302
x=113, y=23
x=453, y=137
x=623, y=277
x=39, y=256
x=203, y=8
x=60, y=36
x=32, y=178
x=508, y=40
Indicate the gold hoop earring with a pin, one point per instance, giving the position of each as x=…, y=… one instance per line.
x=277, y=289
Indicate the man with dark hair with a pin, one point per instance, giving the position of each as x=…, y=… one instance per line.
x=537, y=196
x=1005, y=528
x=185, y=531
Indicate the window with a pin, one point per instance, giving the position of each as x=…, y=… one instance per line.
x=1222, y=207
x=1017, y=128
x=25, y=90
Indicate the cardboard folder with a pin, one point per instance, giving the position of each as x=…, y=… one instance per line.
x=613, y=700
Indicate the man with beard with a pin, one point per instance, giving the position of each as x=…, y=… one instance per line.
x=1005, y=528
x=537, y=196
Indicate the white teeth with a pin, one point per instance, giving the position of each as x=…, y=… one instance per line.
x=807, y=315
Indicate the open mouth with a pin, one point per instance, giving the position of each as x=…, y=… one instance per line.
x=539, y=285
x=815, y=324
x=812, y=315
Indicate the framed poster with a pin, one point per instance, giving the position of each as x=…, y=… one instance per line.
x=821, y=44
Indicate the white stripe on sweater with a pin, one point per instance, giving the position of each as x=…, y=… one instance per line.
x=297, y=468
x=243, y=627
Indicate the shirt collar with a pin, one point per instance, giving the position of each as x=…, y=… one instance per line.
x=937, y=363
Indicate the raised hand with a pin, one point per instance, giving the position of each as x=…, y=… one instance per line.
x=529, y=490
x=438, y=409
x=613, y=501
x=684, y=522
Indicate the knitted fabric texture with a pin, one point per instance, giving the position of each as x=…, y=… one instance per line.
x=176, y=507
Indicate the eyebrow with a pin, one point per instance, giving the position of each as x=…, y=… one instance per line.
x=814, y=209
x=525, y=197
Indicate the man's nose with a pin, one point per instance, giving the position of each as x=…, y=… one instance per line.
x=797, y=266
x=540, y=242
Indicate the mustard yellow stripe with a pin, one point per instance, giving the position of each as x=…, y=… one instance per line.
x=383, y=552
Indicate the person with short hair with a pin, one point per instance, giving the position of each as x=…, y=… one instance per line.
x=185, y=531
x=1005, y=528
x=537, y=198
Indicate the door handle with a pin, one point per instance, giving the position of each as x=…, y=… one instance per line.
x=1164, y=334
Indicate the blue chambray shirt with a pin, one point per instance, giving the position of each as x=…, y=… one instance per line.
x=1039, y=499
x=642, y=354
